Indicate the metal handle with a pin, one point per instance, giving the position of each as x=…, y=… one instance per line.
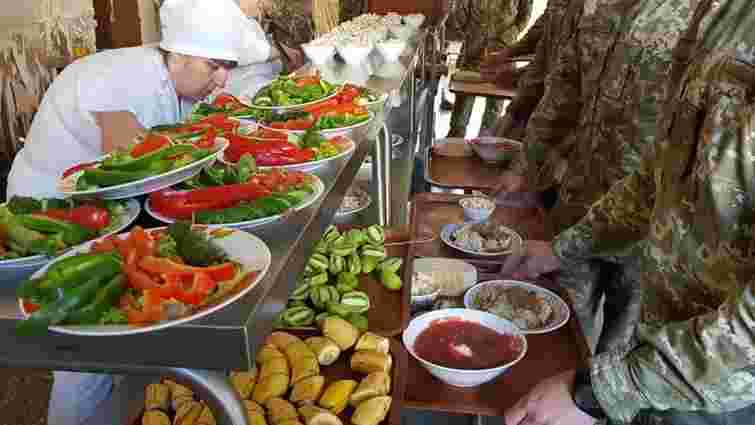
x=215, y=388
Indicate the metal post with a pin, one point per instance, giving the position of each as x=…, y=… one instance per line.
x=215, y=388
x=381, y=174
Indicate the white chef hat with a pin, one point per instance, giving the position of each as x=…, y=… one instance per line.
x=214, y=29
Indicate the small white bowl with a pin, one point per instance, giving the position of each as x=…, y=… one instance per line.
x=352, y=53
x=477, y=214
x=415, y=20
x=462, y=377
x=424, y=302
x=391, y=50
x=319, y=54
x=403, y=32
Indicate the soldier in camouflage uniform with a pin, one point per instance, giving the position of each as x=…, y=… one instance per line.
x=687, y=213
x=290, y=23
x=350, y=9
x=542, y=39
x=585, y=133
x=483, y=24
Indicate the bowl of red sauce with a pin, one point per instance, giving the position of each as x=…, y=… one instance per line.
x=464, y=348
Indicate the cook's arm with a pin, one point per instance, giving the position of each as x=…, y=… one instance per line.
x=118, y=129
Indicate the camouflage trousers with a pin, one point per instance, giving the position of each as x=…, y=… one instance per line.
x=463, y=112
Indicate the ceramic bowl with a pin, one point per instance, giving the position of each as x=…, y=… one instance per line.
x=462, y=377
x=391, y=50
x=352, y=53
x=319, y=54
x=403, y=32
x=415, y=20
x=495, y=150
x=477, y=213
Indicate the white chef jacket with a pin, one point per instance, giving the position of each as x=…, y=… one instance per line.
x=64, y=132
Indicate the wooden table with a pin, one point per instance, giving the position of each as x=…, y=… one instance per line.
x=547, y=354
x=481, y=88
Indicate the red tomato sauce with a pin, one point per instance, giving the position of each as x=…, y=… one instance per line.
x=461, y=344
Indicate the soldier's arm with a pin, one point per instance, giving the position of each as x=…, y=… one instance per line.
x=528, y=43
x=530, y=88
x=523, y=14
x=557, y=111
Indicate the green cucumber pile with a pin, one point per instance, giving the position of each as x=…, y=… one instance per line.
x=330, y=283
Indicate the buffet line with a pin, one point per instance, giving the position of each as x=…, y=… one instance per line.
x=244, y=193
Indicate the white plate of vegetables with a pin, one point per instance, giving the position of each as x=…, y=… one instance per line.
x=35, y=230
x=237, y=207
x=123, y=175
x=142, y=281
x=290, y=93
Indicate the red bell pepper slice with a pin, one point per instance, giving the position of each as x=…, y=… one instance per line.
x=152, y=308
x=161, y=266
x=221, y=122
x=228, y=193
x=30, y=307
x=151, y=143
x=307, y=81
x=177, y=205
x=189, y=288
x=267, y=159
x=207, y=140
x=138, y=279
x=79, y=167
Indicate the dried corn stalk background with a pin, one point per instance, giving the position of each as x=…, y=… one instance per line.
x=36, y=37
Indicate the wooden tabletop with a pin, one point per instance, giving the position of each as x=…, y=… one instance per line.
x=547, y=354
x=481, y=88
x=468, y=172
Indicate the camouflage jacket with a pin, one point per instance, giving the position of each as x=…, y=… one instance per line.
x=289, y=22
x=483, y=24
x=691, y=202
x=587, y=131
x=543, y=39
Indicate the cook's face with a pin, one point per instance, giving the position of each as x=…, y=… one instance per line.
x=198, y=77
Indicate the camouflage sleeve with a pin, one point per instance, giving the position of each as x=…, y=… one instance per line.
x=523, y=14
x=558, y=109
x=699, y=364
x=530, y=88
x=528, y=43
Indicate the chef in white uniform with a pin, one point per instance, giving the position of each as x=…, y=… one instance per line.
x=101, y=102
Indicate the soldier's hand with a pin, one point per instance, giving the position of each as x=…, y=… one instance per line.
x=539, y=259
x=549, y=403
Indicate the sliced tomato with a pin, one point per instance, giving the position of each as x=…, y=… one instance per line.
x=151, y=143
x=30, y=307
